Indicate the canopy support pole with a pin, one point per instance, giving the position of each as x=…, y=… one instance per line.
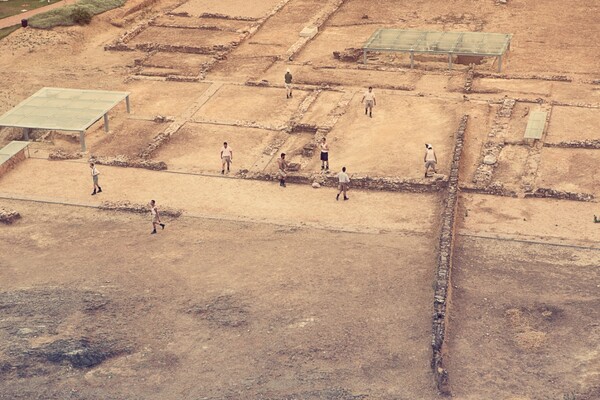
x=82, y=140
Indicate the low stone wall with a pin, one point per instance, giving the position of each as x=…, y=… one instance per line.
x=468, y=86
x=561, y=195
x=124, y=161
x=12, y=162
x=60, y=154
x=358, y=182
x=8, y=216
x=495, y=188
x=576, y=144
x=444, y=267
x=126, y=206
x=555, y=78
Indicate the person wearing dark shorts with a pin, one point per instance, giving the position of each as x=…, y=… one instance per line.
x=95, y=174
x=324, y=154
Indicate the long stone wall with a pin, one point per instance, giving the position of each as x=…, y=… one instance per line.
x=444, y=266
x=12, y=162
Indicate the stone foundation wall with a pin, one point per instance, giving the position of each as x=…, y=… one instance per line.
x=12, y=162
x=444, y=267
x=124, y=161
x=126, y=206
x=576, y=144
x=561, y=195
x=358, y=182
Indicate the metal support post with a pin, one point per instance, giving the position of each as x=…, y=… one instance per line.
x=106, y=122
x=412, y=60
x=26, y=133
x=450, y=61
x=364, y=56
x=82, y=140
x=499, y=63
x=127, y=103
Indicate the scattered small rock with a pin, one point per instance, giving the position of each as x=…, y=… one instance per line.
x=8, y=216
x=316, y=185
x=489, y=159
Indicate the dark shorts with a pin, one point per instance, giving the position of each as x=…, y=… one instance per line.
x=324, y=156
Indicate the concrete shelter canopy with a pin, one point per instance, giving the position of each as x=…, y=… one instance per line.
x=432, y=42
x=64, y=110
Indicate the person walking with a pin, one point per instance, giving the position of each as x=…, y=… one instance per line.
x=344, y=181
x=288, y=83
x=282, y=163
x=324, y=154
x=155, y=217
x=95, y=174
x=226, y=157
x=369, y=100
x=430, y=159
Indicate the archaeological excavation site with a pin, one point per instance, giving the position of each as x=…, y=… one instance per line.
x=141, y=258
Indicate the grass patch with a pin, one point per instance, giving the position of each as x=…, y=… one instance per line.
x=4, y=32
x=14, y=7
x=64, y=16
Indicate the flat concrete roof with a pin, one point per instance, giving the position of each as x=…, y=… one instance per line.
x=464, y=43
x=62, y=109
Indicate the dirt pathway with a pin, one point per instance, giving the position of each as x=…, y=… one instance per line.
x=16, y=19
x=223, y=198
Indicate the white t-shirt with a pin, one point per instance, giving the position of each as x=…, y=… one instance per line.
x=95, y=171
x=429, y=155
x=343, y=177
x=226, y=151
x=369, y=96
x=324, y=147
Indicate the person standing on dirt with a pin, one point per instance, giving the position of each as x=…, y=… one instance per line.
x=369, y=100
x=324, y=155
x=155, y=217
x=282, y=163
x=288, y=83
x=430, y=159
x=226, y=157
x=95, y=175
x=344, y=181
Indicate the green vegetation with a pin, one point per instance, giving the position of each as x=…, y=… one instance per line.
x=70, y=15
x=4, y=32
x=14, y=7
x=81, y=16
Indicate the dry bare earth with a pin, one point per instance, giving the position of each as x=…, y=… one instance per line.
x=210, y=309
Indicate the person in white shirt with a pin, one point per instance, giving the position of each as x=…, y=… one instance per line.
x=344, y=181
x=369, y=100
x=430, y=159
x=226, y=157
x=324, y=154
x=155, y=217
x=95, y=174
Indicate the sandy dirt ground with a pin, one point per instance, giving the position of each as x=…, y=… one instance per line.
x=261, y=292
x=522, y=305
x=313, y=314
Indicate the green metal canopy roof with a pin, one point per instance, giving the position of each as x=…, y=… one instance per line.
x=62, y=109
x=460, y=43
